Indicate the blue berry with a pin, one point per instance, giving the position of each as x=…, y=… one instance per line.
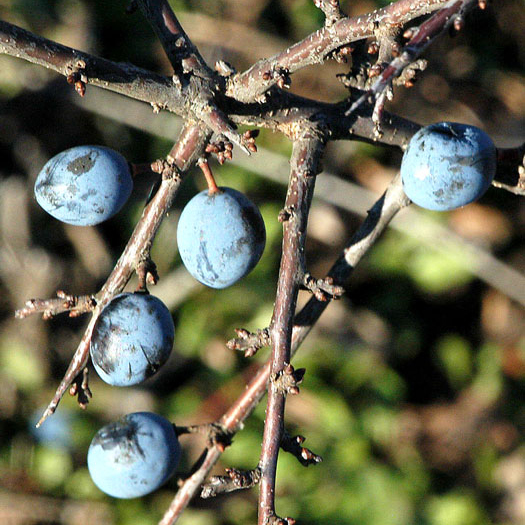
x=221, y=237
x=85, y=185
x=448, y=165
x=134, y=456
x=132, y=338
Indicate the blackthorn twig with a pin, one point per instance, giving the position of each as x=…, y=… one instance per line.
x=250, y=86
x=331, y=9
x=191, y=70
x=306, y=154
x=282, y=111
x=162, y=92
x=74, y=304
x=428, y=30
x=293, y=445
x=235, y=479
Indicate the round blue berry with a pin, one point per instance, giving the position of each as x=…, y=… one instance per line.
x=448, y=165
x=221, y=237
x=132, y=338
x=85, y=185
x=134, y=456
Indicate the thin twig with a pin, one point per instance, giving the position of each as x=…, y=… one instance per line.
x=198, y=94
x=123, y=78
x=235, y=479
x=427, y=32
x=278, y=113
x=180, y=50
x=396, y=132
x=305, y=160
x=250, y=85
x=331, y=9
x=74, y=304
x=379, y=216
x=198, y=81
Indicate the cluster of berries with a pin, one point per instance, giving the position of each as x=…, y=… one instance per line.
x=221, y=237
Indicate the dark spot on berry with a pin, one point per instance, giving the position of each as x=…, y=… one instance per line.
x=83, y=164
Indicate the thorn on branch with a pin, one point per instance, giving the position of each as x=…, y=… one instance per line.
x=293, y=445
x=411, y=73
x=286, y=214
x=80, y=388
x=234, y=480
x=216, y=435
x=74, y=304
x=77, y=77
x=76, y=370
x=322, y=289
x=276, y=520
x=249, y=342
x=146, y=271
x=166, y=168
x=224, y=69
x=222, y=149
x=331, y=9
x=280, y=75
x=287, y=380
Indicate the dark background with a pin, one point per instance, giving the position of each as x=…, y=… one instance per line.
x=414, y=391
